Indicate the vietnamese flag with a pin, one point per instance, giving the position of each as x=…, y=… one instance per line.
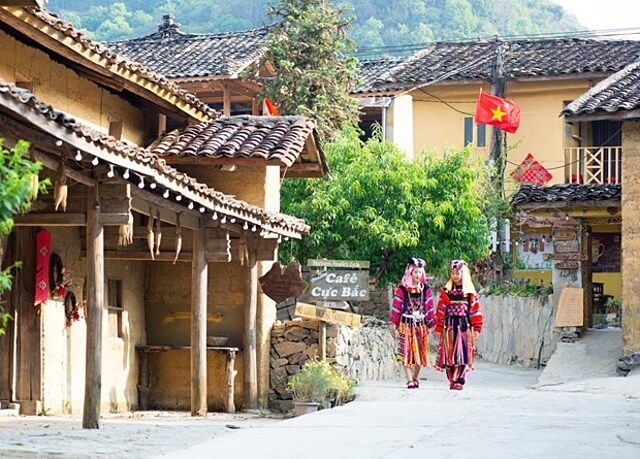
x=498, y=112
x=268, y=109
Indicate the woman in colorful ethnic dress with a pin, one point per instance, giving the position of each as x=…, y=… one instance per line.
x=411, y=316
x=458, y=321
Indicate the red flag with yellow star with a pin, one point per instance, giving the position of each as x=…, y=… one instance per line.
x=498, y=112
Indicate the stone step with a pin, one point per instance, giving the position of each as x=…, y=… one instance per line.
x=9, y=409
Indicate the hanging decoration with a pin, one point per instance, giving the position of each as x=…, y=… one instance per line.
x=58, y=277
x=43, y=254
x=150, y=235
x=61, y=189
x=125, y=232
x=71, y=308
x=158, y=233
x=35, y=180
x=178, y=239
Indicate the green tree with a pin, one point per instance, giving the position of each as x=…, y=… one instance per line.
x=313, y=78
x=18, y=188
x=380, y=207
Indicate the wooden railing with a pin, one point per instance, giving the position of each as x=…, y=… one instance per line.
x=587, y=165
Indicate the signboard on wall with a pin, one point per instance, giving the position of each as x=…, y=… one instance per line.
x=533, y=250
x=605, y=252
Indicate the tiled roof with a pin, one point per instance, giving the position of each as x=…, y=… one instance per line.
x=621, y=91
x=531, y=194
x=178, y=55
x=146, y=163
x=108, y=59
x=457, y=61
x=276, y=140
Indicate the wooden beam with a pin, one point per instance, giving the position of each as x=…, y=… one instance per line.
x=39, y=142
x=250, y=352
x=31, y=3
x=169, y=210
x=199, y=287
x=94, y=308
x=50, y=219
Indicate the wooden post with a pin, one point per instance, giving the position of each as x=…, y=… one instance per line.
x=250, y=335
x=255, y=109
x=95, y=306
x=199, y=273
x=323, y=340
x=226, y=100
x=230, y=406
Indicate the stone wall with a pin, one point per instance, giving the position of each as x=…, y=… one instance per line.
x=517, y=330
x=363, y=353
x=378, y=304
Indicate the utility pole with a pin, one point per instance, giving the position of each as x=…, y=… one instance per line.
x=496, y=153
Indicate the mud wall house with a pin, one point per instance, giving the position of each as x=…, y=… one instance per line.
x=427, y=101
x=141, y=338
x=616, y=100
x=209, y=65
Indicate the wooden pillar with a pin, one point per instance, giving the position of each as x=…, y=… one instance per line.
x=226, y=100
x=250, y=335
x=230, y=406
x=323, y=340
x=255, y=109
x=199, y=273
x=95, y=306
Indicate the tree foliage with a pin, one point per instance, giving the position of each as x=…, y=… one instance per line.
x=309, y=46
x=17, y=189
x=380, y=207
x=377, y=23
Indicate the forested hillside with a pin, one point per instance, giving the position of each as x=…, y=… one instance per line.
x=392, y=24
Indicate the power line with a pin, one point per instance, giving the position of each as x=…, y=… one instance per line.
x=412, y=47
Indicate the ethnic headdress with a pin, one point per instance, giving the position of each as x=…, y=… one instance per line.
x=467, y=283
x=458, y=264
x=412, y=264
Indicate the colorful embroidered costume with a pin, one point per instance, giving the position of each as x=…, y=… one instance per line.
x=458, y=315
x=412, y=313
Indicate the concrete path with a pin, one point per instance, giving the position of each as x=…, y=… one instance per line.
x=578, y=408
x=496, y=416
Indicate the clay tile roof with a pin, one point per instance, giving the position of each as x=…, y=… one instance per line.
x=556, y=194
x=145, y=162
x=112, y=59
x=619, y=92
x=278, y=140
x=178, y=55
x=457, y=61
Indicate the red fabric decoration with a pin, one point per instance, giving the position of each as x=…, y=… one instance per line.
x=43, y=253
x=531, y=171
x=498, y=112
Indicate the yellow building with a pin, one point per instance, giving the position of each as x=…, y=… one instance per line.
x=426, y=103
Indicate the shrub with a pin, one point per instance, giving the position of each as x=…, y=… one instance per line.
x=318, y=382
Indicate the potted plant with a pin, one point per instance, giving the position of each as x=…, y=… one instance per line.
x=318, y=385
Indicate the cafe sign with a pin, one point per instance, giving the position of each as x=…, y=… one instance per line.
x=340, y=285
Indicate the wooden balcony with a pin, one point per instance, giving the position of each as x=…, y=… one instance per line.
x=593, y=165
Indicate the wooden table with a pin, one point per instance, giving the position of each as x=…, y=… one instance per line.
x=143, y=385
